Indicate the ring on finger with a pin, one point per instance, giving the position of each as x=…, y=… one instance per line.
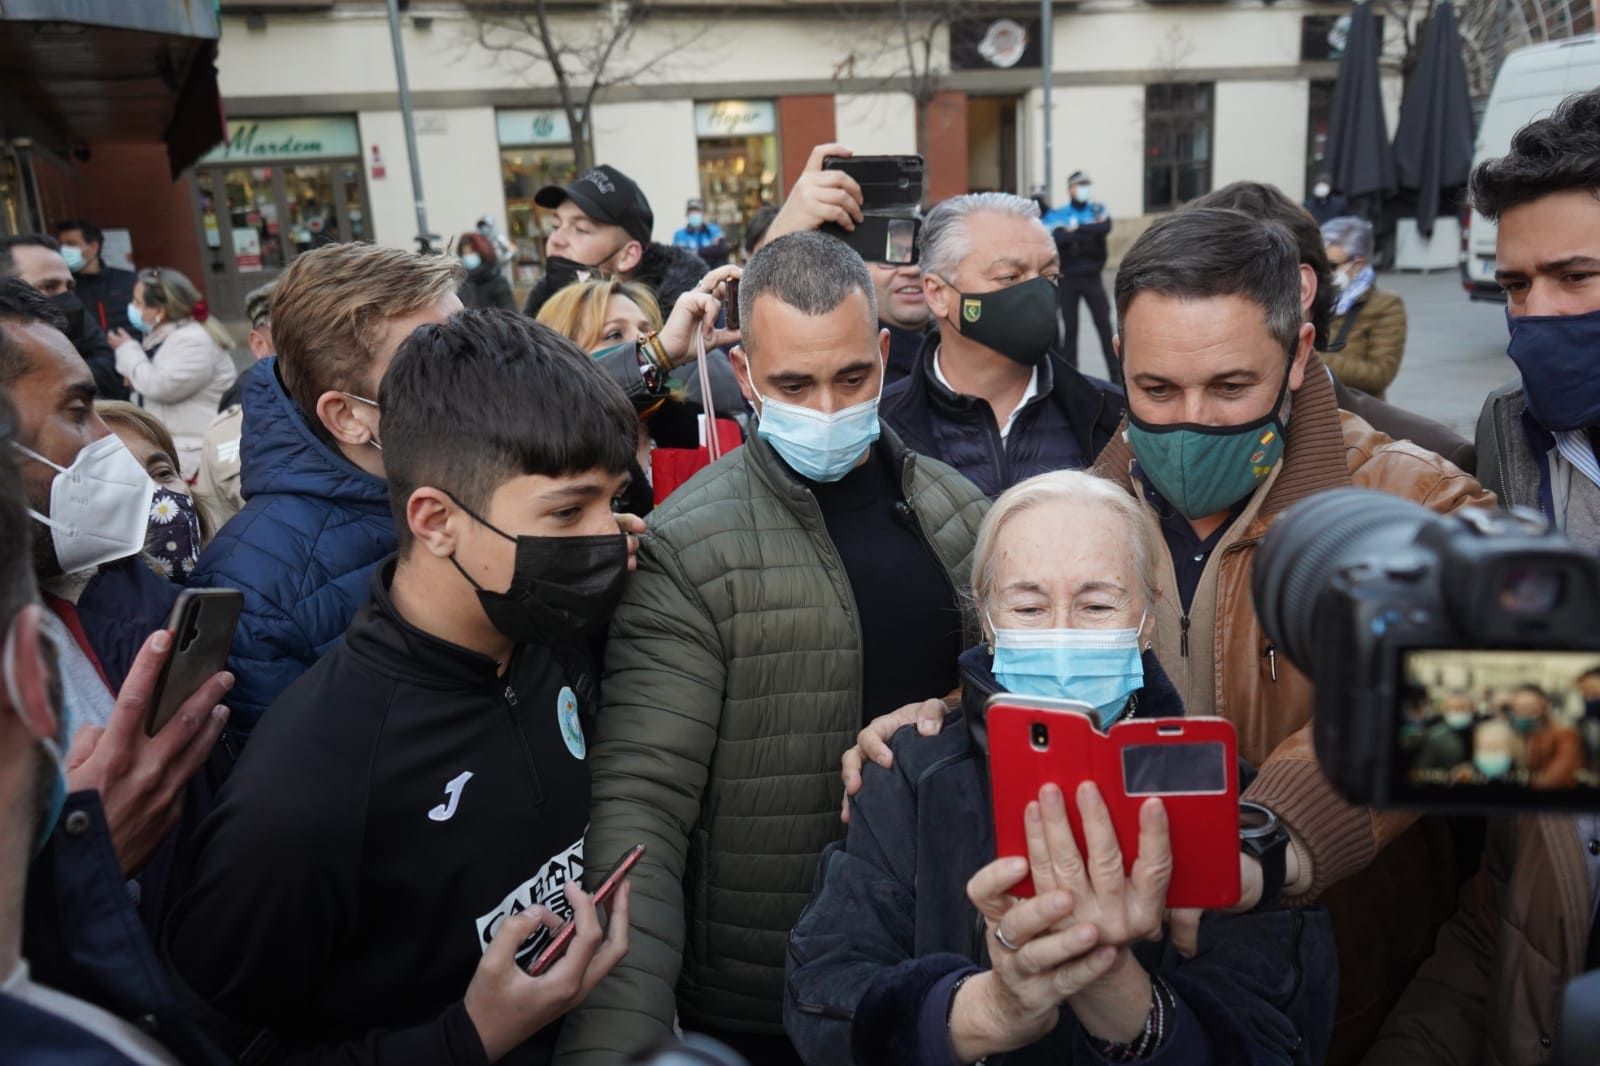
x=1000, y=935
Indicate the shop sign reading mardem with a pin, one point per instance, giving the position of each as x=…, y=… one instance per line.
x=735, y=118
x=259, y=139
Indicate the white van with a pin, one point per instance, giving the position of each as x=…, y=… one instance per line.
x=1531, y=83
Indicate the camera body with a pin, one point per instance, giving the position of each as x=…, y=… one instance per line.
x=1375, y=597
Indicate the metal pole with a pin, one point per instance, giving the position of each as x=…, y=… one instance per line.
x=1047, y=70
x=405, y=120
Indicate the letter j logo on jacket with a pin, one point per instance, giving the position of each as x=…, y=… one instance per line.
x=571, y=728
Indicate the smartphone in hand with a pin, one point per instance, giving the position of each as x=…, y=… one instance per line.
x=202, y=624
x=559, y=943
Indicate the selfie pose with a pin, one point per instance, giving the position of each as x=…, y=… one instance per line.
x=913, y=949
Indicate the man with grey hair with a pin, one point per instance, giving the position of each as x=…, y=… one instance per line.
x=988, y=394
x=1231, y=421
x=788, y=593
x=1367, y=337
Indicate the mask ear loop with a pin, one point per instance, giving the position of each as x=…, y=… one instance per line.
x=52, y=745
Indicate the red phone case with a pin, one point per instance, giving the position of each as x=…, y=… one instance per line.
x=1204, y=825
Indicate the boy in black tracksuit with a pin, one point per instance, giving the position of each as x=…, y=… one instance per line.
x=414, y=807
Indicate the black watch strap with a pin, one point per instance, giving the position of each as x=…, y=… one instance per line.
x=1269, y=844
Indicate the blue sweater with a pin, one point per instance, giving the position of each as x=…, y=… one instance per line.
x=313, y=528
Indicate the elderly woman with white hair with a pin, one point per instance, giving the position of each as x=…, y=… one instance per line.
x=912, y=951
x=1367, y=336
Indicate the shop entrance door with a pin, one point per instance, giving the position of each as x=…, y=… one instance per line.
x=992, y=144
x=254, y=220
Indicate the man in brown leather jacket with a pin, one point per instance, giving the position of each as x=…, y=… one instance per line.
x=1232, y=420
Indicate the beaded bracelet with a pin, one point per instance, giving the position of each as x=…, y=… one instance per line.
x=1163, y=1009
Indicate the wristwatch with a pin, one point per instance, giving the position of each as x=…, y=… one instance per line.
x=1263, y=836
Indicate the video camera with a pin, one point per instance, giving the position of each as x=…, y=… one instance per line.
x=1456, y=658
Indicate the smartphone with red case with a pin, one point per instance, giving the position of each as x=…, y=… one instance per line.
x=1189, y=763
x=602, y=895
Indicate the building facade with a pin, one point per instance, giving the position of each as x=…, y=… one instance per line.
x=1159, y=102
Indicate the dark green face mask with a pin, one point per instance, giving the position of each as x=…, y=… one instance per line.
x=1020, y=322
x=1202, y=470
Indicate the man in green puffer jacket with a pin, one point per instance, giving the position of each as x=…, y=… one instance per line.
x=785, y=596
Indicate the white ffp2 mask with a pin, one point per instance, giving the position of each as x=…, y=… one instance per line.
x=99, y=506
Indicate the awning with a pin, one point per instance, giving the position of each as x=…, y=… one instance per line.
x=77, y=72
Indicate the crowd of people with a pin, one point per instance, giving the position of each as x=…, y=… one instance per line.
x=728, y=562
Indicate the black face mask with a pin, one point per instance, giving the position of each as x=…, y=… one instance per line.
x=1022, y=322
x=71, y=307
x=563, y=589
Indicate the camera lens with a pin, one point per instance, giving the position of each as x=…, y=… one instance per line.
x=1530, y=590
x=1311, y=544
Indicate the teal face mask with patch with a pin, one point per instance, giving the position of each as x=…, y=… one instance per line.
x=1202, y=470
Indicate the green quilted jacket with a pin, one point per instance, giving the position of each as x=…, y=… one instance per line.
x=732, y=686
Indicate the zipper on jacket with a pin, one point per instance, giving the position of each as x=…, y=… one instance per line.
x=1271, y=655
x=1183, y=636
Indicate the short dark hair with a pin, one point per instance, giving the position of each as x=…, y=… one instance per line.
x=21, y=302
x=1535, y=689
x=1260, y=200
x=17, y=588
x=90, y=231
x=1547, y=156
x=1202, y=252
x=490, y=395
x=757, y=227
x=812, y=272
x=8, y=262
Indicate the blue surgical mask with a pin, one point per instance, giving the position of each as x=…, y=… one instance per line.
x=74, y=257
x=1492, y=763
x=1555, y=354
x=52, y=635
x=1100, y=667
x=472, y=261
x=817, y=445
x=696, y=219
x=136, y=318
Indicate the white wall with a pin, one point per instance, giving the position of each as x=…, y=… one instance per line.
x=879, y=123
x=653, y=143
x=460, y=173
x=1259, y=134
x=1098, y=128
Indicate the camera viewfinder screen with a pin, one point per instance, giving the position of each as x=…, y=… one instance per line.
x=1489, y=723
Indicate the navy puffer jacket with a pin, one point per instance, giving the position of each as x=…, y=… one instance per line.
x=1062, y=428
x=313, y=528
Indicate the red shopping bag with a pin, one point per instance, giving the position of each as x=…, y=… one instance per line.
x=671, y=467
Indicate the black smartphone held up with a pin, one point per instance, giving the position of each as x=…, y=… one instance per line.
x=202, y=624
x=558, y=944
x=888, y=182
x=730, y=303
x=881, y=238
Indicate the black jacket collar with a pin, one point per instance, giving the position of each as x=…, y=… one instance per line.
x=1092, y=407
x=381, y=636
x=1157, y=699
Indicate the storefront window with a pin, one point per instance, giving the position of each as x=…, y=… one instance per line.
x=738, y=151
x=524, y=171
x=279, y=187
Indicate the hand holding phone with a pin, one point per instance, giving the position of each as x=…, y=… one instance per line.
x=202, y=623
x=507, y=1006
x=1190, y=764
x=563, y=938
